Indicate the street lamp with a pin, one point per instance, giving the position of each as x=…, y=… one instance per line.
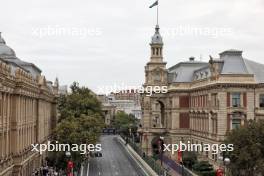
x=69, y=164
x=225, y=160
x=68, y=154
x=161, y=148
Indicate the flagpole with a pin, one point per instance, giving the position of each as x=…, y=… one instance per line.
x=158, y=13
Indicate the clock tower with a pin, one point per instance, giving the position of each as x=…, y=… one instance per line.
x=155, y=70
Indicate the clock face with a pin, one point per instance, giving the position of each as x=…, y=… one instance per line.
x=157, y=77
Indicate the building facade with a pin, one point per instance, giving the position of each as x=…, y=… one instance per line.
x=127, y=101
x=27, y=113
x=205, y=100
x=109, y=110
x=127, y=95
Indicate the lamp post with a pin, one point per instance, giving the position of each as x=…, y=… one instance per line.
x=180, y=160
x=69, y=164
x=161, y=148
x=225, y=160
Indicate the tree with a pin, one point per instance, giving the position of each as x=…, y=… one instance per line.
x=189, y=159
x=248, y=155
x=203, y=168
x=81, y=101
x=123, y=122
x=80, y=122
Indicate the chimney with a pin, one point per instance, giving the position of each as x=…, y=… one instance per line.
x=191, y=59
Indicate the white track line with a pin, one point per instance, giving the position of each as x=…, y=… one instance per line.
x=88, y=169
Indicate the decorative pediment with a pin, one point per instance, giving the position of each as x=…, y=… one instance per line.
x=42, y=81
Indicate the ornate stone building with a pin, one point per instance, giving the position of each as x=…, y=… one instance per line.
x=27, y=113
x=127, y=101
x=108, y=109
x=204, y=101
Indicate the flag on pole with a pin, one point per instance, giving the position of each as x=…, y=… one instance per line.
x=155, y=4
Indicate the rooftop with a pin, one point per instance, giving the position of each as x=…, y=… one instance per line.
x=8, y=55
x=231, y=61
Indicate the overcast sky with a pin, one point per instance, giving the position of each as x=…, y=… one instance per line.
x=106, y=42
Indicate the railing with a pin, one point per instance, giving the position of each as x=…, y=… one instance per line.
x=149, y=160
x=152, y=162
x=176, y=167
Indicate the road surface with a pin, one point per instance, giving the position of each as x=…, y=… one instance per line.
x=115, y=161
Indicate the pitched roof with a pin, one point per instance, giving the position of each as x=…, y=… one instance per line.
x=255, y=68
x=184, y=71
x=232, y=62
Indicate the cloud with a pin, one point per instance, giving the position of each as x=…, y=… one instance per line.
x=121, y=51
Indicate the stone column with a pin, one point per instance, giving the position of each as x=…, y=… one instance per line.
x=175, y=113
x=210, y=123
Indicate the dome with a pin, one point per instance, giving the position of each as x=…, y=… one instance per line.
x=156, y=38
x=4, y=49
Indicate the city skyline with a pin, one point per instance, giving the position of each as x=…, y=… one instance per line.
x=85, y=42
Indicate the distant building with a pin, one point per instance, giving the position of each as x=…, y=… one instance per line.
x=127, y=101
x=108, y=109
x=63, y=90
x=27, y=113
x=127, y=95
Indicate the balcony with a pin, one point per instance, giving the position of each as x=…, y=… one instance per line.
x=158, y=130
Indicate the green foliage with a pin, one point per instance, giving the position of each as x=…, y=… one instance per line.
x=189, y=159
x=248, y=155
x=81, y=122
x=81, y=101
x=207, y=173
x=123, y=122
x=203, y=168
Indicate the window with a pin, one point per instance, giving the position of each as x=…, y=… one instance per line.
x=261, y=101
x=214, y=100
x=236, y=123
x=214, y=157
x=214, y=125
x=156, y=119
x=236, y=100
